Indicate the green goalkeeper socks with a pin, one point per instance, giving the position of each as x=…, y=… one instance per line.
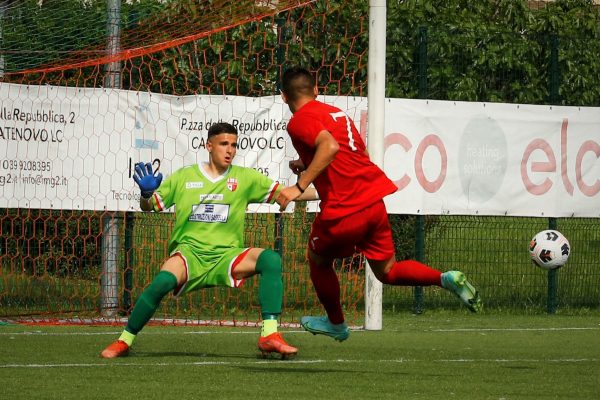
x=147, y=304
x=270, y=291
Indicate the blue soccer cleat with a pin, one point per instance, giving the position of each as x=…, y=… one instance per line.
x=322, y=326
x=457, y=282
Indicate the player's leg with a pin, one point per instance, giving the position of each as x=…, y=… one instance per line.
x=325, y=243
x=414, y=273
x=172, y=274
x=267, y=264
x=378, y=248
x=404, y=273
x=327, y=287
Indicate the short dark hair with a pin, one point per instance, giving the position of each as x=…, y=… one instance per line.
x=296, y=82
x=221, y=127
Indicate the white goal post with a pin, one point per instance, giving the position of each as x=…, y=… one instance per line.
x=376, y=121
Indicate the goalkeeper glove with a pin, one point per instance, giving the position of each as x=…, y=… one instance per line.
x=146, y=180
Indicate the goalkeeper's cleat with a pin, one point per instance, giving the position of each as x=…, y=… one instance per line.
x=322, y=326
x=118, y=348
x=274, y=343
x=457, y=282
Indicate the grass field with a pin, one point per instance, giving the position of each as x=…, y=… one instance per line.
x=440, y=355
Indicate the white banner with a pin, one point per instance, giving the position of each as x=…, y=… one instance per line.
x=74, y=148
x=492, y=159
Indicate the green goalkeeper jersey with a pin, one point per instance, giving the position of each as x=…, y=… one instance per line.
x=210, y=213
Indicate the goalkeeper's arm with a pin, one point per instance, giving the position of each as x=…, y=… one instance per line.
x=146, y=204
x=148, y=183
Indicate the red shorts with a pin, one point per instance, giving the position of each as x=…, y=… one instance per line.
x=367, y=231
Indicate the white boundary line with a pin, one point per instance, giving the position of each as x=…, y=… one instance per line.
x=145, y=333
x=228, y=332
x=123, y=320
x=275, y=361
x=514, y=329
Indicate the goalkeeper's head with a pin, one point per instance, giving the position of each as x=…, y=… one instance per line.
x=221, y=127
x=221, y=145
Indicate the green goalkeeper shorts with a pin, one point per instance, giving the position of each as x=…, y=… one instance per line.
x=209, y=269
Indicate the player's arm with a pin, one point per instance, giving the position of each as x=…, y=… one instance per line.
x=297, y=166
x=148, y=182
x=146, y=204
x=309, y=194
x=326, y=148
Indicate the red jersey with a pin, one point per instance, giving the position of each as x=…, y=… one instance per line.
x=351, y=182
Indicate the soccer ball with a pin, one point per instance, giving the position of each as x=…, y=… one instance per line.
x=549, y=249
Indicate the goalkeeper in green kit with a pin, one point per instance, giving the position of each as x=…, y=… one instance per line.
x=207, y=246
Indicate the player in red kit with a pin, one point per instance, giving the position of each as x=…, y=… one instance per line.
x=353, y=217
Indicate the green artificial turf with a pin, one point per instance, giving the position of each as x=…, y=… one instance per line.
x=443, y=355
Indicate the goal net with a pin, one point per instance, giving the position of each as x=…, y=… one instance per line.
x=88, y=88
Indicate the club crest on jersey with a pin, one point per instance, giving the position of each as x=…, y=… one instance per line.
x=232, y=184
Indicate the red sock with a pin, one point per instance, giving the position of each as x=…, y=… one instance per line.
x=327, y=286
x=412, y=273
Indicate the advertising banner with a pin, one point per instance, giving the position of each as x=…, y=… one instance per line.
x=75, y=148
